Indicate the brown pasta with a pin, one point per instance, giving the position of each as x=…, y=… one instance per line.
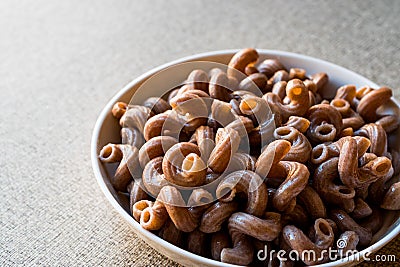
x=299, y=123
x=325, y=123
x=219, y=241
x=264, y=229
x=300, y=150
x=197, y=243
x=377, y=135
x=111, y=153
x=132, y=136
x=181, y=216
x=136, y=193
x=182, y=165
x=198, y=80
x=248, y=182
x=295, y=177
x=346, y=223
x=254, y=83
x=269, y=66
x=298, y=96
x=240, y=61
x=153, y=178
x=171, y=234
x=242, y=251
x=313, y=203
x=391, y=201
x=157, y=105
x=227, y=143
x=129, y=164
x=361, y=209
x=153, y=217
x=298, y=241
x=336, y=194
x=216, y=215
x=162, y=124
x=203, y=160
x=135, y=117
x=355, y=177
x=369, y=103
x=351, y=240
x=389, y=123
x=119, y=109
x=155, y=147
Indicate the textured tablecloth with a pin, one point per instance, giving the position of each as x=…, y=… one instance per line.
x=61, y=62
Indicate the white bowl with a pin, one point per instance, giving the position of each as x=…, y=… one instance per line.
x=107, y=131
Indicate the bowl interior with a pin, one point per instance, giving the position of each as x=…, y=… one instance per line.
x=107, y=131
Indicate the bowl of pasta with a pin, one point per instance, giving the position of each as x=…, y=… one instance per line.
x=253, y=157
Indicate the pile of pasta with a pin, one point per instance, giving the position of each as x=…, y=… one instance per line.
x=316, y=170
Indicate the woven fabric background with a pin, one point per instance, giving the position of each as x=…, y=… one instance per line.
x=61, y=62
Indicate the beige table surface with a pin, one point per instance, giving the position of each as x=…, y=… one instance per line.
x=61, y=62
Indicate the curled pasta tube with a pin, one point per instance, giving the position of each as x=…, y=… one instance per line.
x=199, y=197
x=219, y=241
x=155, y=147
x=227, y=143
x=132, y=136
x=296, y=178
x=111, y=153
x=370, y=103
x=257, y=108
x=136, y=193
x=325, y=123
x=346, y=92
x=346, y=223
x=241, y=161
x=240, y=61
x=301, y=148
x=181, y=216
x=264, y=229
x=323, y=182
x=378, y=137
x=274, y=153
x=298, y=97
x=242, y=125
x=152, y=177
x=351, y=240
x=128, y=166
x=248, y=182
x=157, y=105
x=135, y=117
x=205, y=141
x=222, y=112
x=182, y=165
x=389, y=123
x=166, y=123
x=198, y=79
x=119, y=109
x=355, y=177
x=323, y=152
x=216, y=215
x=310, y=199
x=153, y=217
x=391, y=200
x=298, y=241
x=242, y=251
x=300, y=123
